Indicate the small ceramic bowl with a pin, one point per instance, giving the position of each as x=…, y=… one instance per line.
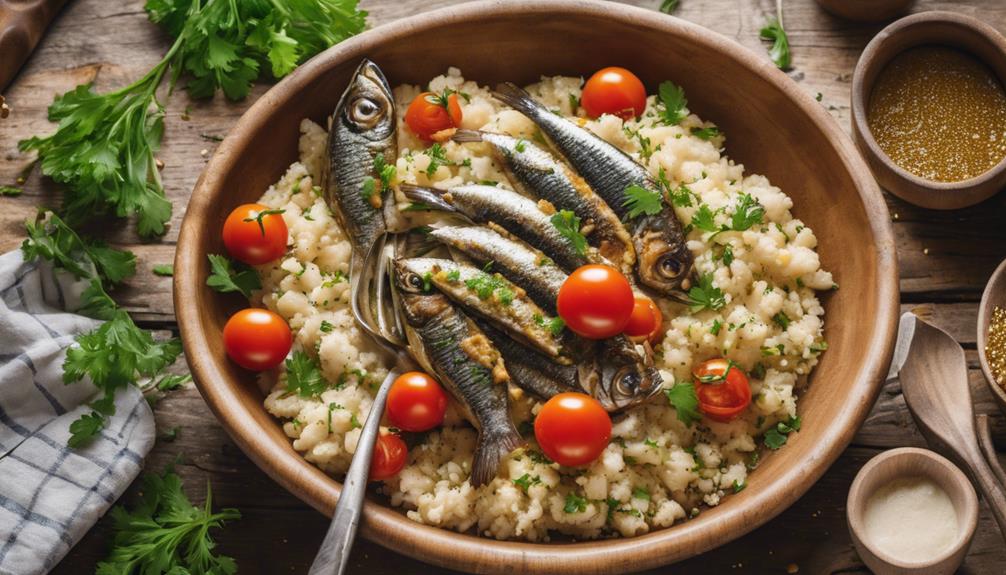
x=994, y=295
x=912, y=462
x=865, y=10
x=927, y=28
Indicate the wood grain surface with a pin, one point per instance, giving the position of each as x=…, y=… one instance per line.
x=945, y=259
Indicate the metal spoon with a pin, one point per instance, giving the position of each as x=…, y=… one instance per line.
x=333, y=556
x=934, y=381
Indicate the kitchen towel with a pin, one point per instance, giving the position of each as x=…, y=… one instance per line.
x=50, y=494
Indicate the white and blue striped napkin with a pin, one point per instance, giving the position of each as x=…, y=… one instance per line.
x=50, y=495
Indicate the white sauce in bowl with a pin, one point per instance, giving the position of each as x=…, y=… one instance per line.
x=911, y=519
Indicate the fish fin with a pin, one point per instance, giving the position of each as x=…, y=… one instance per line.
x=432, y=197
x=517, y=98
x=462, y=136
x=492, y=447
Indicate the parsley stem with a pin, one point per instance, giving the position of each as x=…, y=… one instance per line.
x=778, y=14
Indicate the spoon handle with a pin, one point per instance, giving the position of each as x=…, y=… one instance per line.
x=988, y=448
x=991, y=489
x=334, y=553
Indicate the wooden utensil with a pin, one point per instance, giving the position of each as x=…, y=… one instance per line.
x=994, y=295
x=865, y=10
x=22, y=25
x=934, y=381
x=519, y=40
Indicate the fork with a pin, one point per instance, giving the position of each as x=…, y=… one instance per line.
x=374, y=309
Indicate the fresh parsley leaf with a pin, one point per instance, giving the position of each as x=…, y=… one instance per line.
x=706, y=133
x=164, y=270
x=640, y=200
x=717, y=326
x=85, y=428
x=386, y=172
x=438, y=157
x=681, y=196
x=685, y=402
x=574, y=503
x=705, y=295
x=777, y=436
x=10, y=191
x=774, y=32
x=640, y=493
x=568, y=225
x=227, y=276
x=673, y=98
x=326, y=326
x=669, y=6
x=172, y=381
x=747, y=213
x=51, y=239
x=165, y=533
x=454, y=275
x=781, y=319
x=303, y=375
x=739, y=485
x=818, y=347
x=526, y=481
x=705, y=219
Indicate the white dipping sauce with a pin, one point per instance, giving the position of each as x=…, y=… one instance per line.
x=911, y=519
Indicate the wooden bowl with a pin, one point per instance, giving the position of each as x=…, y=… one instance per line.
x=520, y=40
x=994, y=295
x=935, y=27
x=865, y=10
x=908, y=462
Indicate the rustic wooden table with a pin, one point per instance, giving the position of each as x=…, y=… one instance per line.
x=945, y=259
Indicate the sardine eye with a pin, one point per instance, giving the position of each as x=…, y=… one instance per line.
x=364, y=110
x=415, y=282
x=628, y=382
x=669, y=266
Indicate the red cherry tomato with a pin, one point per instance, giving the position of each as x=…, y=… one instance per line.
x=722, y=389
x=416, y=402
x=430, y=113
x=255, y=234
x=614, y=91
x=390, y=455
x=572, y=429
x=257, y=339
x=596, y=301
x=645, y=320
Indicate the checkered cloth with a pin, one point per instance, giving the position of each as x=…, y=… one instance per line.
x=50, y=495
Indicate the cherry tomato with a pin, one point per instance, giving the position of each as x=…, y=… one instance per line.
x=722, y=389
x=645, y=320
x=416, y=402
x=596, y=301
x=430, y=113
x=572, y=429
x=255, y=234
x=390, y=455
x=614, y=91
x=257, y=339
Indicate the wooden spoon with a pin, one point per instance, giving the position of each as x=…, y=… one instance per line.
x=22, y=25
x=934, y=381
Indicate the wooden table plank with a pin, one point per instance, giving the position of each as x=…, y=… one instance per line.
x=945, y=259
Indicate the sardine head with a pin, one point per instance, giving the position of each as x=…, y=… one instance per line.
x=662, y=266
x=407, y=279
x=624, y=377
x=368, y=107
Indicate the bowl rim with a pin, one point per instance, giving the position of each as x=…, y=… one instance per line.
x=984, y=319
x=392, y=529
x=857, y=499
x=868, y=62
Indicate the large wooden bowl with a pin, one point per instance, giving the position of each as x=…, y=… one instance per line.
x=773, y=127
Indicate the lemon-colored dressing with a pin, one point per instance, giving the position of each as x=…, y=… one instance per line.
x=911, y=519
x=939, y=113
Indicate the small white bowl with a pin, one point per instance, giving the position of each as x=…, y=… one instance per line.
x=912, y=462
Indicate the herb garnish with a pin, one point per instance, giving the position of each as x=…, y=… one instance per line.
x=776, y=33
x=684, y=401
x=226, y=276
x=568, y=225
x=303, y=375
x=640, y=200
x=705, y=295
x=525, y=481
x=776, y=437
x=674, y=101
x=668, y=6
x=706, y=133
x=164, y=270
x=10, y=191
x=575, y=503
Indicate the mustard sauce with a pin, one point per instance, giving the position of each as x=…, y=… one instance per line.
x=939, y=113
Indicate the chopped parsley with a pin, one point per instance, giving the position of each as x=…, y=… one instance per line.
x=774, y=32
x=668, y=6
x=526, y=481
x=705, y=219
x=10, y=191
x=386, y=172
x=717, y=326
x=438, y=157
x=739, y=485
x=303, y=375
x=673, y=98
x=747, y=213
x=454, y=275
x=520, y=146
x=227, y=276
x=706, y=133
x=368, y=188
x=354, y=422
x=781, y=319
x=427, y=281
x=575, y=503
x=163, y=270
x=685, y=402
x=705, y=295
x=568, y=225
x=819, y=346
x=554, y=325
x=777, y=436
x=326, y=327
x=574, y=103
x=486, y=285
x=650, y=443
x=640, y=200
x=641, y=493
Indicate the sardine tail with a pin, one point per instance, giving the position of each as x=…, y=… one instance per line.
x=517, y=98
x=464, y=136
x=431, y=197
x=492, y=447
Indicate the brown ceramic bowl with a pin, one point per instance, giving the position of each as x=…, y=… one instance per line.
x=926, y=28
x=994, y=295
x=912, y=462
x=865, y=10
x=519, y=40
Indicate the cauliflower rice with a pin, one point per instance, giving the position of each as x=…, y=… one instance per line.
x=655, y=471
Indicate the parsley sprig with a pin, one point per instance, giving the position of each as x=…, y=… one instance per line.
x=776, y=33
x=227, y=276
x=567, y=224
x=673, y=98
x=165, y=533
x=303, y=375
x=705, y=295
x=685, y=402
x=777, y=436
x=115, y=354
x=640, y=200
